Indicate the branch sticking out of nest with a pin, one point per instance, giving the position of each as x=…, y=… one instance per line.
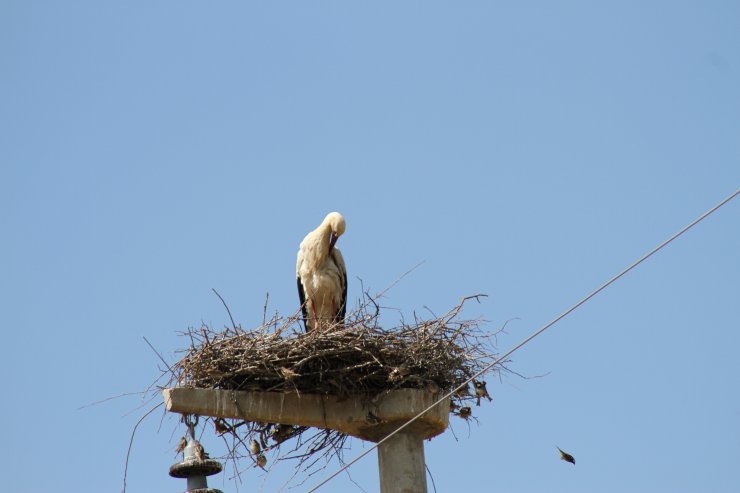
x=356, y=358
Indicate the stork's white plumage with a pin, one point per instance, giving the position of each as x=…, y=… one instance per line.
x=322, y=276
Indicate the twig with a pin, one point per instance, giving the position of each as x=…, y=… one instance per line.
x=125, y=394
x=393, y=284
x=233, y=324
x=131, y=442
x=160, y=357
x=264, y=310
x=434, y=486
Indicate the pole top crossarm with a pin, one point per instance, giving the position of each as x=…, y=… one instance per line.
x=365, y=417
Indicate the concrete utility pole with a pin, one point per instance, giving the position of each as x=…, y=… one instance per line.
x=400, y=459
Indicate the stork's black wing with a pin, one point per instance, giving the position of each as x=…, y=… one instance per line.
x=343, y=304
x=336, y=257
x=302, y=298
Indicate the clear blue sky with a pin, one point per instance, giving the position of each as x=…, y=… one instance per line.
x=151, y=151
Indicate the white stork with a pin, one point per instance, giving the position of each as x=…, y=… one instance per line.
x=322, y=276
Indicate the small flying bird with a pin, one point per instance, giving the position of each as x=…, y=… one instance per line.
x=480, y=391
x=566, y=456
x=254, y=447
x=322, y=276
x=261, y=460
x=181, y=445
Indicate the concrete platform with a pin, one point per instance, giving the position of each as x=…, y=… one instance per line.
x=359, y=416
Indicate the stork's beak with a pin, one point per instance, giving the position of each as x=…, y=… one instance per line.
x=332, y=240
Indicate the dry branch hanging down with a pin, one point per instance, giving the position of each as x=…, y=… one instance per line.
x=356, y=358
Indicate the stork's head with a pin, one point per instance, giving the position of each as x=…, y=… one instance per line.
x=336, y=224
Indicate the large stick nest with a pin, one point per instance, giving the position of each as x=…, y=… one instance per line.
x=357, y=358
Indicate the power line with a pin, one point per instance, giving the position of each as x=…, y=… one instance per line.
x=535, y=334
